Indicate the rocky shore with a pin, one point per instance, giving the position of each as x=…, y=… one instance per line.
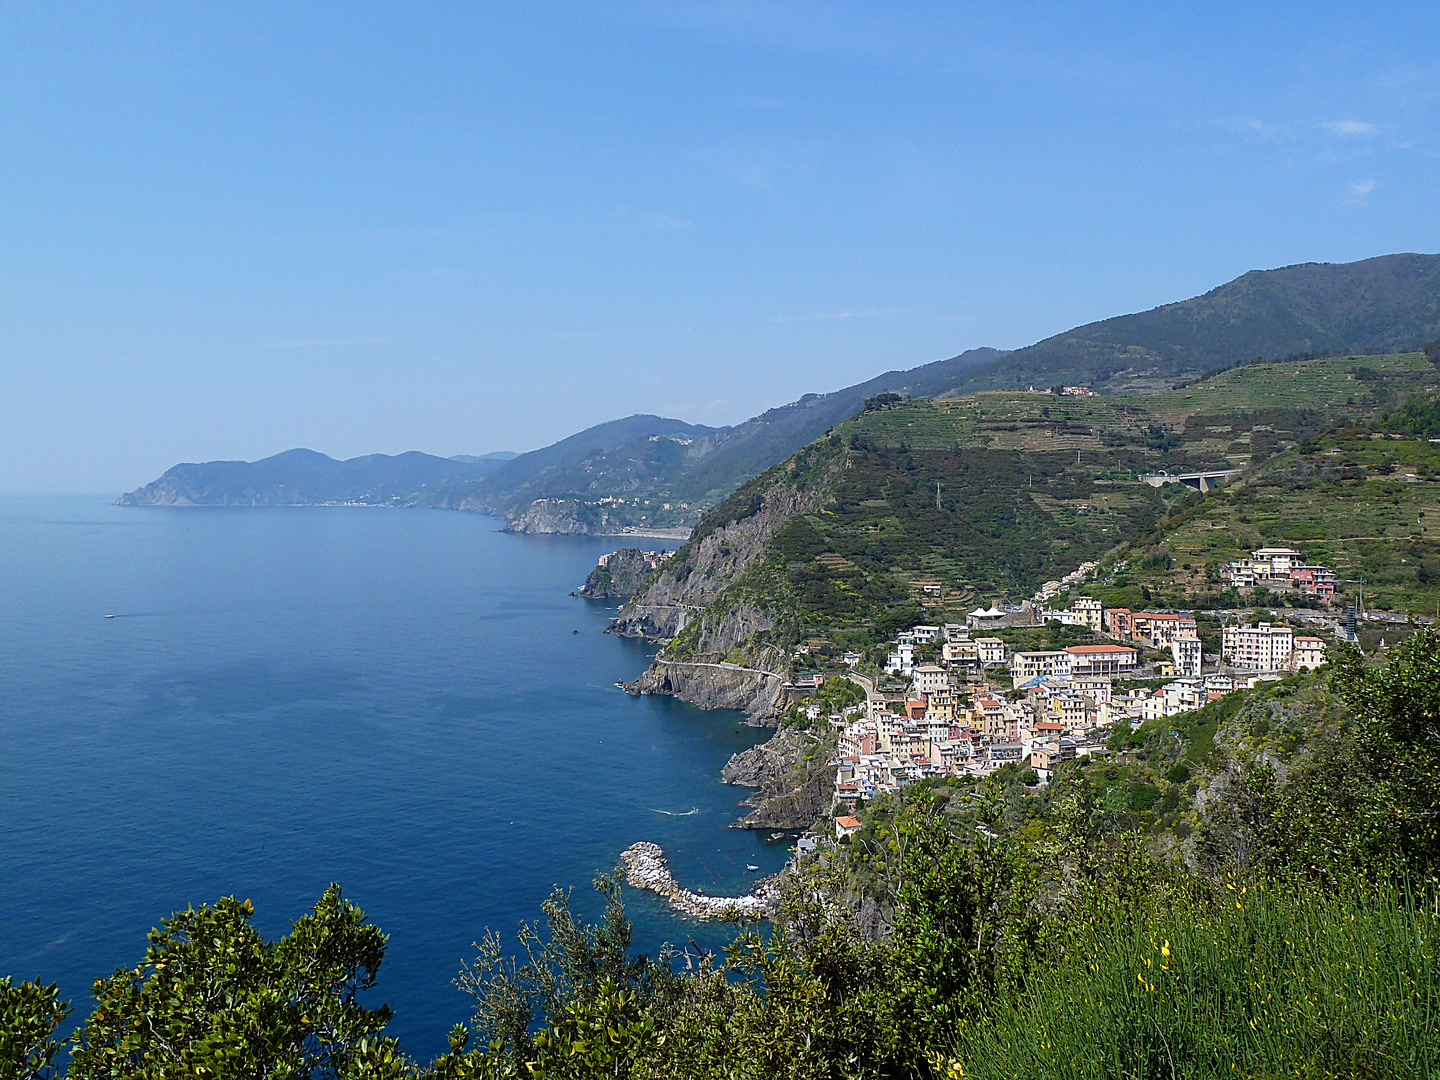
x=759, y=694
x=645, y=868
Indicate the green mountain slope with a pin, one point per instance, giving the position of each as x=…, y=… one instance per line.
x=304, y=477
x=1031, y=485
x=1381, y=305
x=1378, y=305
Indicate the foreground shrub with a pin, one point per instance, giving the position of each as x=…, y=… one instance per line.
x=1263, y=981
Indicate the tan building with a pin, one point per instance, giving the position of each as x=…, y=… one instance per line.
x=929, y=678
x=1090, y=610
x=1308, y=654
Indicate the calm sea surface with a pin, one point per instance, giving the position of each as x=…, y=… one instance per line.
x=390, y=699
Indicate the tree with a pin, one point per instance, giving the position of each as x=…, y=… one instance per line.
x=212, y=998
x=29, y=1015
x=1397, y=710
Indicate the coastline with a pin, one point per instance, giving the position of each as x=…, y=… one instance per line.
x=646, y=868
x=657, y=533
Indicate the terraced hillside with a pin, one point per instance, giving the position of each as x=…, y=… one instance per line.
x=915, y=510
x=1365, y=503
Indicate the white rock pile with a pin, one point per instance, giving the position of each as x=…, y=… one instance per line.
x=645, y=869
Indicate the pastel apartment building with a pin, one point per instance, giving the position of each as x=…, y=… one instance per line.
x=1307, y=653
x=1159, y=628
x=1099, y=661
x=1283, y=568
x=1260, y=648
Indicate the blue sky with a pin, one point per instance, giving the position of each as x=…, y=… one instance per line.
x=226, y=230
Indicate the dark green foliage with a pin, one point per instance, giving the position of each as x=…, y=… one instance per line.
x=1397, y=716
x=29, y=1015
x=211, y=997
x=1414, y=416
x=1385, y=304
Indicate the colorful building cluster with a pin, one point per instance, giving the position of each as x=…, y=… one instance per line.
x=1281, y=568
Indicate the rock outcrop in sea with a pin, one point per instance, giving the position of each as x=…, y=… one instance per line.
x=769, y=761
x=620, y=578
x=645, y=868
x=761, y=695
x=796, y=778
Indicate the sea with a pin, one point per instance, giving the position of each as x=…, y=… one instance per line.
x=407, y=702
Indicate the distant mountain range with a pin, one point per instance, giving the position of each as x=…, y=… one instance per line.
x=1382, y=305
x=651, y=471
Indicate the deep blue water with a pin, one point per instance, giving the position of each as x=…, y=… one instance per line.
x=390, y=699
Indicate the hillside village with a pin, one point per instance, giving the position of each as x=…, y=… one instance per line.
x=960, y=701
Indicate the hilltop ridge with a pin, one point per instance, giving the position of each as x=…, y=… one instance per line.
x=647, y=471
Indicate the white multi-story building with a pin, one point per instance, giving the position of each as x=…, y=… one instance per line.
x=992, y=650
x=1187, y=651
x=1260, y=648
x=1091, y=661
x=1182, y=695
x=902, y=660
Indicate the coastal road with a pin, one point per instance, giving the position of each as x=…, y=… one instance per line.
x=719, y=667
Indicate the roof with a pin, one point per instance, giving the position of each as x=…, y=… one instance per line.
x=849, y=821
x=992, y=612
x=1091, y=650
x=1307, y=637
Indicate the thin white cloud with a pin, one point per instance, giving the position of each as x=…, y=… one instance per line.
x=1350, y=128
x=326, y=343
x=1255, y=130
x=1361, y=188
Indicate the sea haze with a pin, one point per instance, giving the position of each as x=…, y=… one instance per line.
x=390, y=699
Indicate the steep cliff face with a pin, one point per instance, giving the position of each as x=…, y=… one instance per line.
x=720, y=612
x=620, y=578
x=716, y=686
x=695, y=579
x=767, y=762
x=795, y=801
x=567, y=517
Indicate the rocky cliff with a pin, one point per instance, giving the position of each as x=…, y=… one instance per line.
x=567, y=517
x=713, y=606
x=795, y=776
x=795, y=801
x=620, y=578
x=706, y=567
x=716, y=686
x=771, y=760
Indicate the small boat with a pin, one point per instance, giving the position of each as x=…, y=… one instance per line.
x=751, y=867
x=776, y=836
x=574, y=631
x=109, y=616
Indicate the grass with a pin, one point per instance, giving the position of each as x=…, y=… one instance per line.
x=1268, y=981
x=1334, y=385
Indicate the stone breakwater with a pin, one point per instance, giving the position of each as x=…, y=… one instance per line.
x=645, y=868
